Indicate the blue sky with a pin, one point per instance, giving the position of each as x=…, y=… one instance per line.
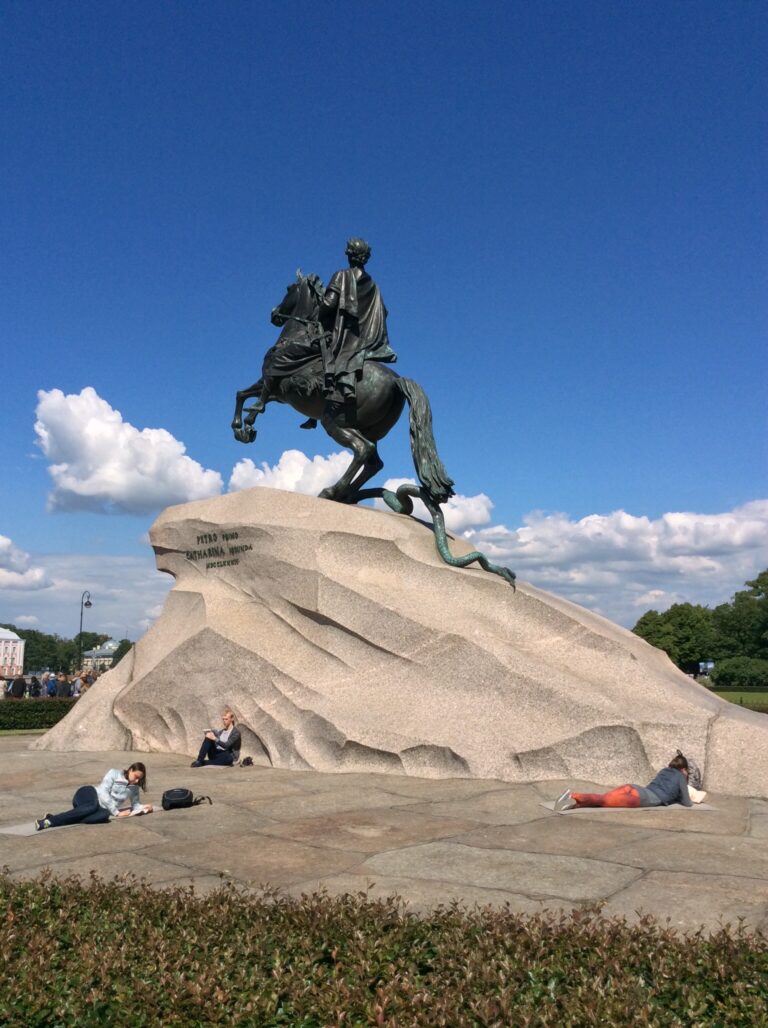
x=567, y=209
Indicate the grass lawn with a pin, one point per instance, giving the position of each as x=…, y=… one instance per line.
x=747, y=697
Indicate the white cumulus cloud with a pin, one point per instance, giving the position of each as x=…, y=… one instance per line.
x=297, y=473
x=294, y=472
x=620, y=565
x=127, y=594
x=461, y=513
x=17, y=570
x=100, y=463
x=151, y=614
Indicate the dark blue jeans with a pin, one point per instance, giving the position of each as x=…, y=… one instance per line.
x=85, y=810
x=209, y=754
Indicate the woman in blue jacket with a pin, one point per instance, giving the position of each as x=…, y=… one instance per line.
x=669, y=786
x=96, y=804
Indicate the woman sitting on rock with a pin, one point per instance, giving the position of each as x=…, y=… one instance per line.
x=96, y=804
x=222, y=746
x=669, y=786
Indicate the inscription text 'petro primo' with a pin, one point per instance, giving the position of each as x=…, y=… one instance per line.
x=217, y=554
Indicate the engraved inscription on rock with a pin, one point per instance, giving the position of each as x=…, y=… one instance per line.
x=218, y=550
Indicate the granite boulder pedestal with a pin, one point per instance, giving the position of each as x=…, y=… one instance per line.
x=343, y=643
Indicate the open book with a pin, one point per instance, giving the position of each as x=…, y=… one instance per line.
x=144, y=810
x=697, y=795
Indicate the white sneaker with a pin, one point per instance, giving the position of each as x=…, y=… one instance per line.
x=565, y=802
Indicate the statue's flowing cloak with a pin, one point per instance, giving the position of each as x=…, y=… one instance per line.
x=293, y=352
x=360, y=327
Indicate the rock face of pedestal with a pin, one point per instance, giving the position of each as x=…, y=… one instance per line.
x=343, y=643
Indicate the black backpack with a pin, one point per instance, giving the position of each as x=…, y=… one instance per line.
x=177, y=799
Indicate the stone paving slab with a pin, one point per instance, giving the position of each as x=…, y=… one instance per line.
x=711, y=854
x=219, y=820
x=328, y=801
x=709, y=900
x=514, y=804
x=549, y=835
x=535, y=875
x=110, y=865
x=369, y=831
x=430, y=841
x=258, y=859
x=433, y=790
x=46, y=849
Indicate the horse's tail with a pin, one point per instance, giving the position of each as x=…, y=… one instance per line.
x=429, y=468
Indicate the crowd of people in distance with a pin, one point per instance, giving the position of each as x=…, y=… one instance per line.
x=50, y=685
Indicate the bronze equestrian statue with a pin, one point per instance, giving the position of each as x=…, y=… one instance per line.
x=329, y=365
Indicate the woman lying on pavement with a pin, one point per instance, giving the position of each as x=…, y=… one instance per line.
x=96, y=804
x=669, y=786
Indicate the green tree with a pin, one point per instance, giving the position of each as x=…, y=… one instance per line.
x=52, y=651
x=67, y=655
x=691, y=633
x=89, y=640
x=685, y=632
x=122, y=648
x=742, y=624
x=41, y=650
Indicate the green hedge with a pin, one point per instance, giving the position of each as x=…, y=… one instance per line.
x=124, y=953
x=740, y=673
x=42, y=713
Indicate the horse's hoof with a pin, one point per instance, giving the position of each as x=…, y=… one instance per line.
x=245, y=435
x=327, y=494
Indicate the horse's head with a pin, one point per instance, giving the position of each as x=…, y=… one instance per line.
x=302, y=299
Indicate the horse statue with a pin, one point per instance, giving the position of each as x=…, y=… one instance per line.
x=292, y=373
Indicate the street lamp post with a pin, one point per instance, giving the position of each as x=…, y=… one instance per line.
x=85, y=601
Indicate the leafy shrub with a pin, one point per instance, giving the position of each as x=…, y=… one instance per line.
x=123, y=953
x=741, y=673
x=42, y=713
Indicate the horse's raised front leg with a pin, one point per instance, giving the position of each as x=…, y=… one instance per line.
x=364, y=455
x=246, y=433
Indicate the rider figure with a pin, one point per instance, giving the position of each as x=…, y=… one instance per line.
x=353, y=313
x=351, y=329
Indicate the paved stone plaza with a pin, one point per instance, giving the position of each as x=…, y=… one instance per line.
x=430, y=841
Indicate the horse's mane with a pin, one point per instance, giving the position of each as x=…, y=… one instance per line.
x=314, y=283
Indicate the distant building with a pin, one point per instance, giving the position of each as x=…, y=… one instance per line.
x=100, y=659
x=11, y=654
